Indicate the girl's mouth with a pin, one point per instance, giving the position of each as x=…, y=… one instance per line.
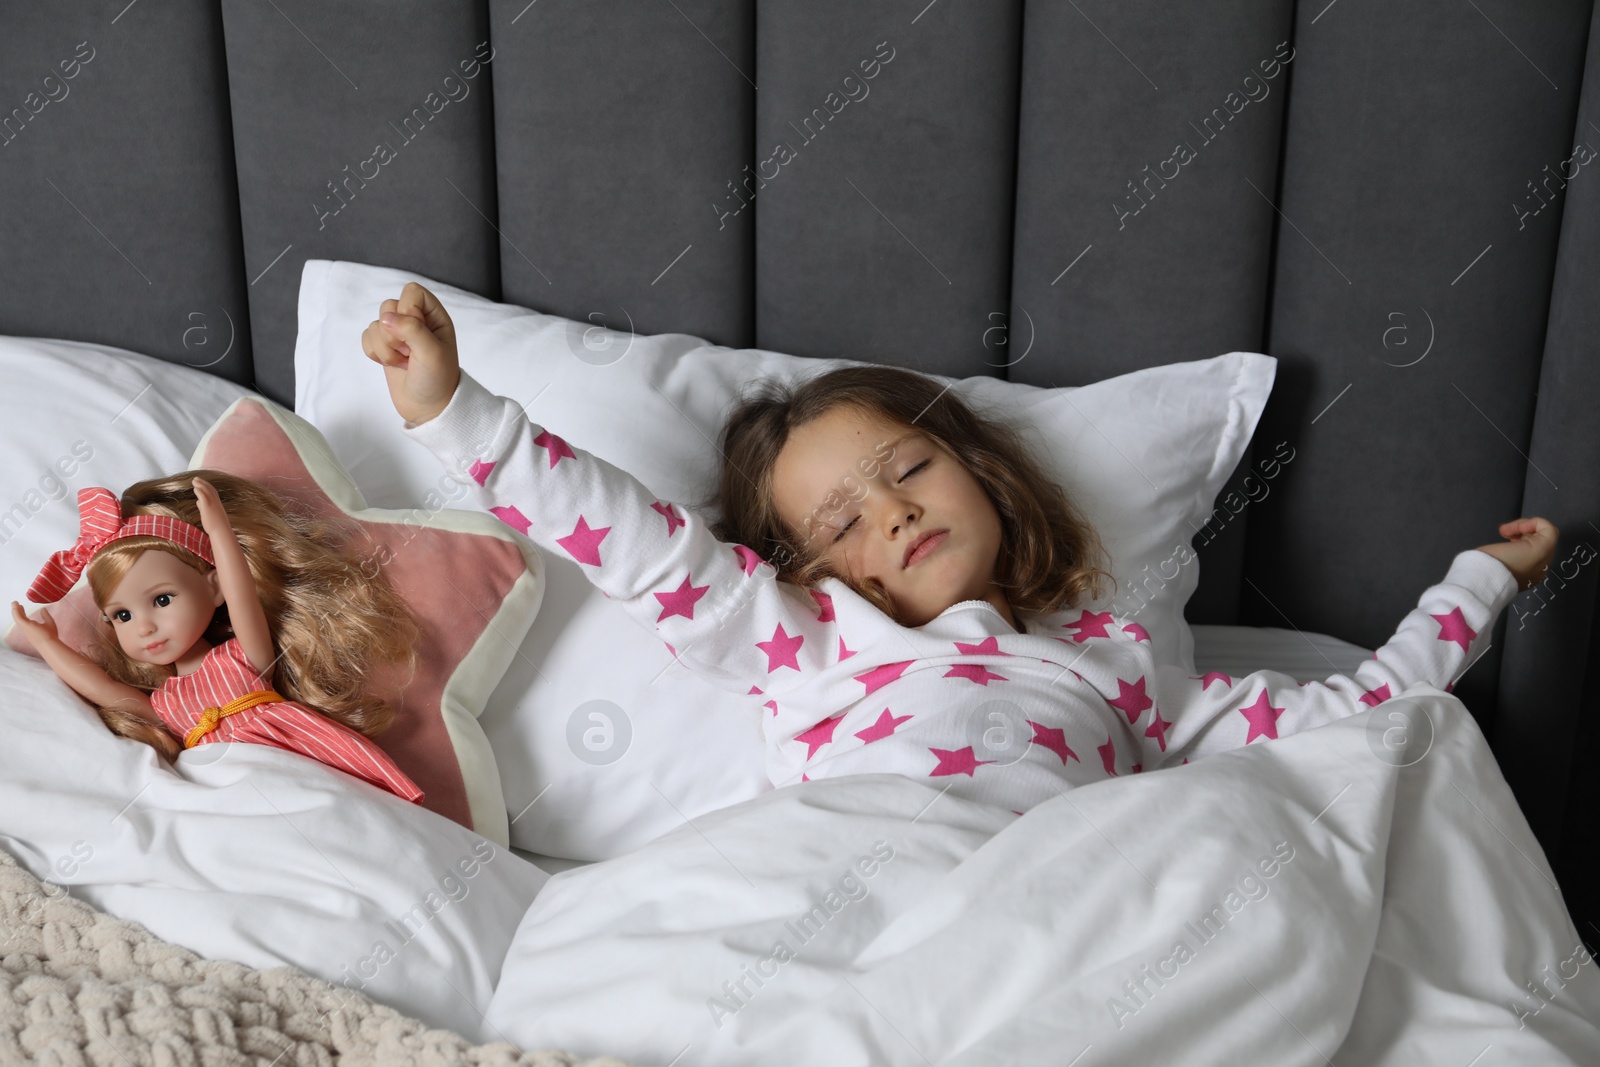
x=155, y=647
x=925, y=546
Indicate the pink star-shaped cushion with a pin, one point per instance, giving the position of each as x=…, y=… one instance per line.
x=473, y=588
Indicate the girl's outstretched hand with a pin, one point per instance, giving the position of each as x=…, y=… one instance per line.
x=415, y=341
x=1529, y=547
x=39, y=631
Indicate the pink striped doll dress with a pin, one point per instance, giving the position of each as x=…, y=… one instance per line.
x=225, y=699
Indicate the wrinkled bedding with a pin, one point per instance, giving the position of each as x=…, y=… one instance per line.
x=1364, y=893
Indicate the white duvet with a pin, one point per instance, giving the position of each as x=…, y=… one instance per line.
x=1364, y=893
x=1303, y=901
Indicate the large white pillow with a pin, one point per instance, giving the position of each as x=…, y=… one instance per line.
x=80, y=415
x=1145, y=454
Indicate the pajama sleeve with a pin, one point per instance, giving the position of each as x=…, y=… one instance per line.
x=720, y=609
x=1434, y=645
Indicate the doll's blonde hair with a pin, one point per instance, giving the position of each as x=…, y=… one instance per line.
x=333, y=617
x=1050, y=554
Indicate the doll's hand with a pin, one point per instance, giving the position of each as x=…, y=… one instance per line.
x=40, y=631
x=415, y=341
x=213, y=516
x=1529, y=547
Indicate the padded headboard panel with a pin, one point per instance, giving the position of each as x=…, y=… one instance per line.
x=1391, y=199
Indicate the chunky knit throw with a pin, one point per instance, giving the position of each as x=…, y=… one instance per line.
x=79, y=987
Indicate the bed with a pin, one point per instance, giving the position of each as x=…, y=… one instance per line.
x=1049, y=196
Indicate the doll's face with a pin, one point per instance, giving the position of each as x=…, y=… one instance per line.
x=161, y=607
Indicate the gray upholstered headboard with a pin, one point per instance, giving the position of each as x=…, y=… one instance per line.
x=1393, y=200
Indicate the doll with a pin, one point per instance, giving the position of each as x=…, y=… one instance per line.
x=226, y=618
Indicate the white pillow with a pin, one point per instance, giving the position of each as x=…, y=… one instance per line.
x=79, y=415
x=1145, y=454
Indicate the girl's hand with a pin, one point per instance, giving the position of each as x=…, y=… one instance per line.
x=213, y=516
x=1529, y=547
x=415, y=341
x=40, y=631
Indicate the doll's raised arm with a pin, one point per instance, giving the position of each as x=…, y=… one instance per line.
x=237, y=583
x=86, y=677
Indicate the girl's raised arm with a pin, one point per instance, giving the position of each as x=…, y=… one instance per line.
x=718, y=606
x=238, y=586
x=1434, y=645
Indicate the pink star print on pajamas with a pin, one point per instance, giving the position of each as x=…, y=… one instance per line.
x=956, y=761
x=557, y=448
x=1090, y=624
x=1374, y=697
x=1263, y=718
x=1158, y=729
x=1053, y=738
x=879, y=677
x=583, y=543
x=781, y=649
x=885, y=725
x=824, y=606
x=974, y=672
x=819, y=735
x=681, y=600
x=1131, y=699
x=512, y=518
x=1108, y=755
x=1453, y=627
x=668, y=512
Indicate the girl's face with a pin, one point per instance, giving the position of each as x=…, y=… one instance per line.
x=161, y=607
x=862, y=495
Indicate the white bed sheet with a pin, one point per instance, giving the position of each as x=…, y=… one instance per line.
x=1409, y=906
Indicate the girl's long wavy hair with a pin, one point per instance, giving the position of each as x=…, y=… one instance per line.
x=1050, y=554
x=333, y=617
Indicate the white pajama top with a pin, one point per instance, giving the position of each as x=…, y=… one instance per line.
x=965, y=701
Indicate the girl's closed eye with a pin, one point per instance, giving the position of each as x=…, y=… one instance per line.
x=903, y=477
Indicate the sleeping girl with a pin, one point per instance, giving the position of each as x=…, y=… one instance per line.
x=931, y=625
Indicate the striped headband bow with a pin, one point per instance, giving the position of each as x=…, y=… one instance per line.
x=99, y=524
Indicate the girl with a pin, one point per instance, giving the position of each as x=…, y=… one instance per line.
x=191, y=612
x=918, y=615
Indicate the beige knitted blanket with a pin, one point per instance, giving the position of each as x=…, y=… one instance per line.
x=79, y=987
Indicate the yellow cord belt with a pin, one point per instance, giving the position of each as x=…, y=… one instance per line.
x=211, y=716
